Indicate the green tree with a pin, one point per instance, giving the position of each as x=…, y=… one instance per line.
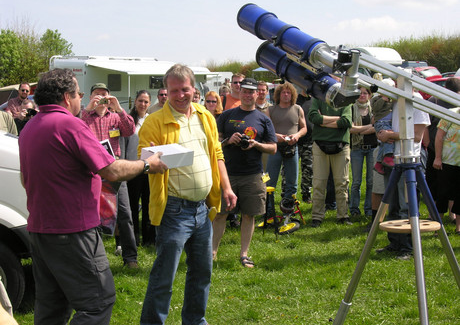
x=51, y=43
x=10, y=57
x=23, y=55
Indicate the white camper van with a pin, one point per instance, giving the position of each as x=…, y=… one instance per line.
x=124, y=76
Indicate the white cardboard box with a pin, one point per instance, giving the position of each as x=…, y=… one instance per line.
x=174, y=155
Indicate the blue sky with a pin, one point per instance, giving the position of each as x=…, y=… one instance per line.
x=197, y=32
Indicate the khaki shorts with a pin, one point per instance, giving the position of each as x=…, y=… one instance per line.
x=251, y=193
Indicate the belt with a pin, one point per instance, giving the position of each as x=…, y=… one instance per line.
x=364, y=147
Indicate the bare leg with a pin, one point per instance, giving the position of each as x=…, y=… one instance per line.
x=218, y=229
x=247, y=229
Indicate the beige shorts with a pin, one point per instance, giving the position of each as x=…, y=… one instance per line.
x=378, y=186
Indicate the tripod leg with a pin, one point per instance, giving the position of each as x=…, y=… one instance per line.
x=346, y=302
x=417, y=245
x=423, y=187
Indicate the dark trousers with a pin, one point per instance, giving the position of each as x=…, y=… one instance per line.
x=125, y=225
x=138, y=188
x=71, y=272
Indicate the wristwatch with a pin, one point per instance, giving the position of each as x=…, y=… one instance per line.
x=146, y=166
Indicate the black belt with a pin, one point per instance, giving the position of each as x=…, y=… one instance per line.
x=365, y=147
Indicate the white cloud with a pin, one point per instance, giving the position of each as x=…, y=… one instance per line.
x=103, y=37
x=409, y=4
x=379, y=24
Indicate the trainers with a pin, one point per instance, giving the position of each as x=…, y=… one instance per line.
x=315, y=223
x=344, y=221
x=388, y=161
x=404, y=257
x=385, y=249
x=378, y=167
x=118, y=251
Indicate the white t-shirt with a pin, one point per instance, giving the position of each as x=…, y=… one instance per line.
x=419, y=118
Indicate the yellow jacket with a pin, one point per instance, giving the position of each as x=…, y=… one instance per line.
x=162, y=128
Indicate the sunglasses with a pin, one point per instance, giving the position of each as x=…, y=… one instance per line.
x=211, y=101
x=162, y=95
x=236, y=82
x=25, y=90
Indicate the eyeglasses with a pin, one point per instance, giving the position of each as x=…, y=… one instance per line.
x=81, y=94
x=25, y=90
x=236, y=82
x=211, y=101
x=163, y=95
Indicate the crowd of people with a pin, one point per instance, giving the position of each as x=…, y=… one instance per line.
x=242, y=143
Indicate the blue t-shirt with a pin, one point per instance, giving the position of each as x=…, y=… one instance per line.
x=254, y=124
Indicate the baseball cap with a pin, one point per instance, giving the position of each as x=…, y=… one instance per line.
x=99, y=85
x=249, y=83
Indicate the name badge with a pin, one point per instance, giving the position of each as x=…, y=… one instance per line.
x=265, y=177
x=114, y=133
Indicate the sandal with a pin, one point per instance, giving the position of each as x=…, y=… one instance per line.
x=246, y=262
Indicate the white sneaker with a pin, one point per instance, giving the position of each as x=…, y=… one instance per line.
x=118, y=251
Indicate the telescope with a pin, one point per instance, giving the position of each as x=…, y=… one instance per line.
x=309, y=62
x=302, y=59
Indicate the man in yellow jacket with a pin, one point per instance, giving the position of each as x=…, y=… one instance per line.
x=181, y=198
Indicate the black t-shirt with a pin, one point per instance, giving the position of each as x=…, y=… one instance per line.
x=254, y=124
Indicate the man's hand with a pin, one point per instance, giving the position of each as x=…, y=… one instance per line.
x=114, y=104
x=385, y=136
x=229, y=199
x=156, y=164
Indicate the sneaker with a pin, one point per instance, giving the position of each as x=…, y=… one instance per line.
x=331, y=206
x=315, y=223
x=385, y=249
x=344, y=221
x=118, y=251
x=378, y=167
x=388, y=161
x=404, y=257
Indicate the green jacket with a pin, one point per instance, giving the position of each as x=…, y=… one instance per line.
x=341, y=133
x=162, y=128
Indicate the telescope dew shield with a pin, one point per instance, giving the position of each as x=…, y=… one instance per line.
x=321, y=86
x=266, y=26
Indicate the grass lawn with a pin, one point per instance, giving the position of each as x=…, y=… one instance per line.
x=300, y=279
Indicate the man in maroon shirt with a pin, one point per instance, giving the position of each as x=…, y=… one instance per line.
x=61, y=168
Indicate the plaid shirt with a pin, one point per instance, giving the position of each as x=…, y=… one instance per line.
x=102, y=125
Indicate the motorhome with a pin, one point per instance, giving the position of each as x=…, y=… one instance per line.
x=124, y=76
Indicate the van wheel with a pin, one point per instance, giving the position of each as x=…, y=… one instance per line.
x=12, y=275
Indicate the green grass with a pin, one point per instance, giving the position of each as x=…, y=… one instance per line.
x=300, y=279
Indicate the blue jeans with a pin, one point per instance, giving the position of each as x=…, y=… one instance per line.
x=185, y=226
x=291, y=171
x=357, y=157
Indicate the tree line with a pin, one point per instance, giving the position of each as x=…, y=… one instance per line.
x=23, y=54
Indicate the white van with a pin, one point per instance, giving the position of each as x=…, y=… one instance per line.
x=14, y=238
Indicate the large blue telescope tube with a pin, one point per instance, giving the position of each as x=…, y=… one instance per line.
x=267, y=26
x=321, y=86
